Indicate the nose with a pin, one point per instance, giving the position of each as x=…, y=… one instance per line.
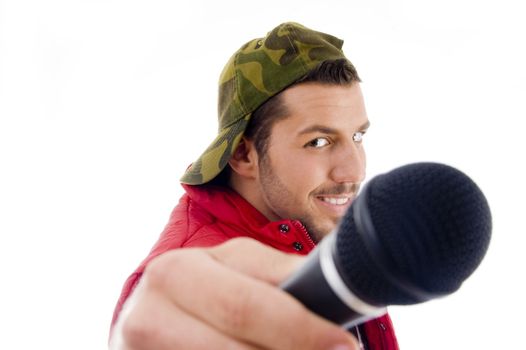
x=349, y=165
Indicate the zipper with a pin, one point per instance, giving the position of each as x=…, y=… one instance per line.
x=305, y=233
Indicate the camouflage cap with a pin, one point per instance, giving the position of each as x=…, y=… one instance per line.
x=260, y=69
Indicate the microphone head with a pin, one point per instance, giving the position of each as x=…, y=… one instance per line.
x=413, y=234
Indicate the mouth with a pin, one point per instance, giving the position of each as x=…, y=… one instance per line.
x=336, y=200
x=336, y=205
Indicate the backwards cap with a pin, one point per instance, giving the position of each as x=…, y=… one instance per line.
x=260, y=69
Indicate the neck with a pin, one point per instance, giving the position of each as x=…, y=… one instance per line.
x=248, y=189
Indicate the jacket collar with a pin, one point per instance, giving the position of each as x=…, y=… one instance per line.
x=225, y=203
x=231, y=208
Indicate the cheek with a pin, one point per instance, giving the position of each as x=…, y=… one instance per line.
x=304, y=175
x=363, y=155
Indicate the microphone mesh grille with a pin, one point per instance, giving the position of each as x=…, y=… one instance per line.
x=434, y=226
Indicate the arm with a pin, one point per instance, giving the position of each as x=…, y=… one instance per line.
x=225, y=298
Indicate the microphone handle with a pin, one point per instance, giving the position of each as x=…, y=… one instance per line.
x=318, y=286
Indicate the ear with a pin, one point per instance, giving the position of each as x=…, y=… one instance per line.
x=244, y=161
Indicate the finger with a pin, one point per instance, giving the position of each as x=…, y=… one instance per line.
x=258, y=260
x=157, y=323
x=241, y=306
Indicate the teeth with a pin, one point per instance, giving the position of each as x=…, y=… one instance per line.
x=336, y=201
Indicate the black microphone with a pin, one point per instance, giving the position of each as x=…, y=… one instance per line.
x=413, y=234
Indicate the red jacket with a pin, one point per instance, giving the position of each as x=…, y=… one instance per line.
x=209, y=215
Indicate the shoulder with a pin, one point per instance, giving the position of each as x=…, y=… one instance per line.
x=191, y=224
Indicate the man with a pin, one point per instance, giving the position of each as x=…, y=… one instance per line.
x=284, y=168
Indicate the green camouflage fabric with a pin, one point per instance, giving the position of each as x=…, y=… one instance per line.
x=260, y=69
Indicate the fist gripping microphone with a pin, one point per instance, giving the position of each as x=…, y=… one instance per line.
x=413, y=234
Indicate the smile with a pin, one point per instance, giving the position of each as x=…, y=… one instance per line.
x=336, y=201
x=335, y=206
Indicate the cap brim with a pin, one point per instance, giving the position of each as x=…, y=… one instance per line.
x=216, y=156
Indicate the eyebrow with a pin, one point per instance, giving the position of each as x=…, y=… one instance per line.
x=328, y=130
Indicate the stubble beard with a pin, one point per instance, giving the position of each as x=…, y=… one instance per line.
x=281, y=201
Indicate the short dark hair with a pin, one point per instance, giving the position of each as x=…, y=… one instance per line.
x=332, y=72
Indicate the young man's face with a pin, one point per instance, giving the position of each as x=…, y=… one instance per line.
x=315, y=160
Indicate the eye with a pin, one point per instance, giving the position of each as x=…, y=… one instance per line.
x=358, y=136
x=318, y=142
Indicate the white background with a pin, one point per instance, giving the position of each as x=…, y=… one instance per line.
x=103, y=104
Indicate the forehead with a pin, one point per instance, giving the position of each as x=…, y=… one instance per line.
x=335, y=106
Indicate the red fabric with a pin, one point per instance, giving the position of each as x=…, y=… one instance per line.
x=209, y=215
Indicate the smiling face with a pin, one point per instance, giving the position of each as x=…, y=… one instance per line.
x=315, y=160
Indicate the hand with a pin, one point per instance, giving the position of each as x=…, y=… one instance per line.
x=222, y=298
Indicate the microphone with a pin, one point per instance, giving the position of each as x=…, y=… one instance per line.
x=413, y=234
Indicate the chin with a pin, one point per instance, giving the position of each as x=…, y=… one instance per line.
x=319, y=227
x=322, y=232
